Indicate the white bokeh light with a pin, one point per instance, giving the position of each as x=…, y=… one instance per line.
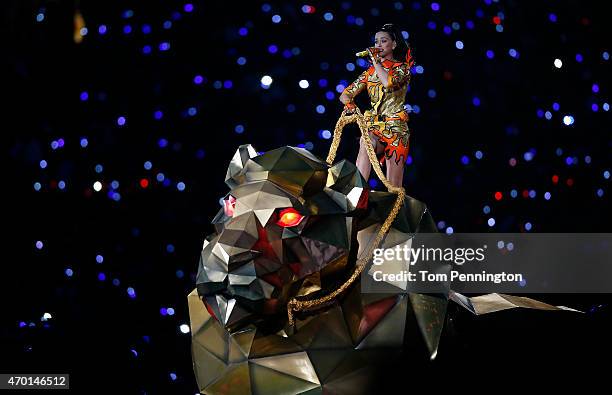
x=266, y=80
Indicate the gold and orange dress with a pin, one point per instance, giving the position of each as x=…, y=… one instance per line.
x=387, y=119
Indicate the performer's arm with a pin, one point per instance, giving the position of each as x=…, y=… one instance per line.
x=353, y=90
x=398, y=76
x=345, y=98
x=382, y=74
x=349, y=105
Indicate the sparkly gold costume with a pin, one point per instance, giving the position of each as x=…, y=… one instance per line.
x=387, y=118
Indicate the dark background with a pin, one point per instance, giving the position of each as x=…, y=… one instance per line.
x=150, y=237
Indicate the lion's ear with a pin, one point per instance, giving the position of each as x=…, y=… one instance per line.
x=347, y=183
x=235, y=176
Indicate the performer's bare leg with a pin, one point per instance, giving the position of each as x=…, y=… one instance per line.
x=363, y=162
x=395, y=171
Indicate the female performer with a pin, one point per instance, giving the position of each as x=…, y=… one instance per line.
x=386, y=82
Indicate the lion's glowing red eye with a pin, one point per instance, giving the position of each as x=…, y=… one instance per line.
x=289, y=217
x=229, y=205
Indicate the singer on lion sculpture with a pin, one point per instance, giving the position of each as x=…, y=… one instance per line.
x=272, y=312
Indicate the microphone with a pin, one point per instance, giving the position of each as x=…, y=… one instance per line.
x=366, y=53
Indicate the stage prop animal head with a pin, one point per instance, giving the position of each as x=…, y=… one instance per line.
x=292, y=225
x=285, y=229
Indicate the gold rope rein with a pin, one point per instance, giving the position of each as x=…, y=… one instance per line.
x=295, y=305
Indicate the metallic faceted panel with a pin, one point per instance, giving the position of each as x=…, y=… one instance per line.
x=234, y=175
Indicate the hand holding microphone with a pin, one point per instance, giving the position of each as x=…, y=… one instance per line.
x=373, y=53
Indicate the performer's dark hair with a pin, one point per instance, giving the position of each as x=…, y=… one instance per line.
x=399, y=53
